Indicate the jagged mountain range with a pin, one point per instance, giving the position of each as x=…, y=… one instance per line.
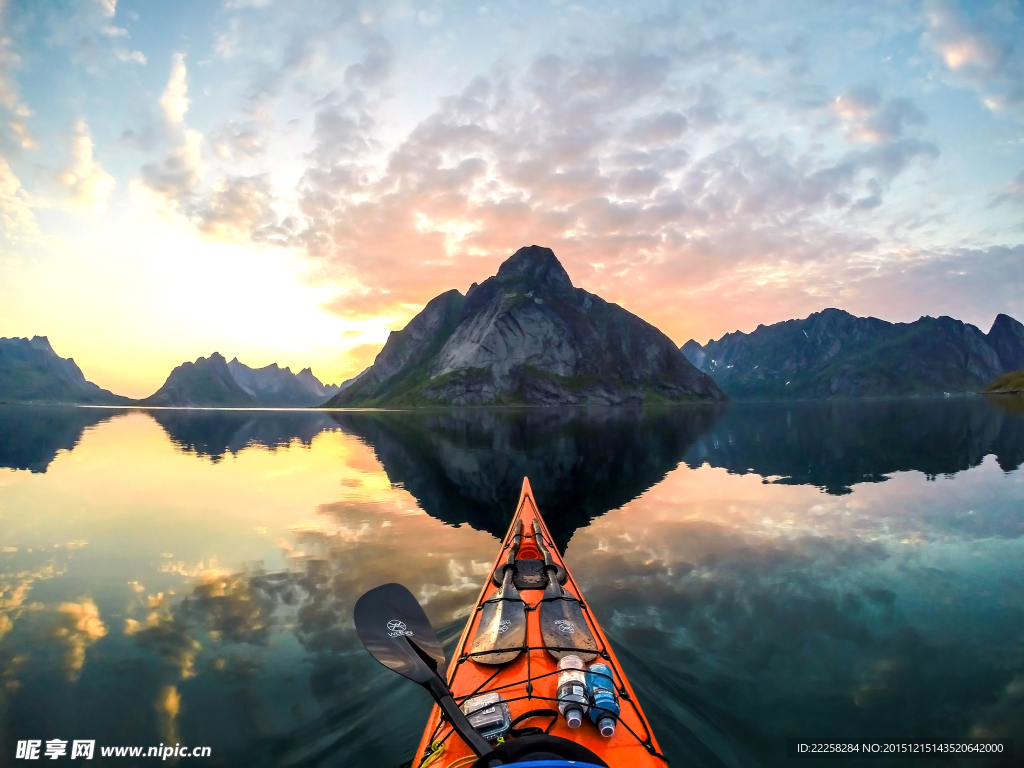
x=835, y=354
x=527, y=336
x=214, y=382
x=31, y=372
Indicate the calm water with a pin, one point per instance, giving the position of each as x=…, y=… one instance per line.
x=847, y=571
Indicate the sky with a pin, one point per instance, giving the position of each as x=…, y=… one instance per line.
x=289, y=181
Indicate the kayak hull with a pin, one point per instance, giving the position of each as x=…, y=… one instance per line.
x=529, y=682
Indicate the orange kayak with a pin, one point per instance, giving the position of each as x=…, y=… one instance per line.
x=529, y=683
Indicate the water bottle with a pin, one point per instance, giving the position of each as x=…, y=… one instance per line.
x=572, y=690
x=605, y=708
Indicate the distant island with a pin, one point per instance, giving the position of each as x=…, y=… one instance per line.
x=835, y=354
x=527, y=336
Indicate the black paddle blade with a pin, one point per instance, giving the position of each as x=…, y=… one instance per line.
x=563, y=626
x=395, y=631
x=501, y=633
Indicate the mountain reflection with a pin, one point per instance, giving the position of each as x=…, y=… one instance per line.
x=837, y=444
x=214, y=433
x=467, y=466
x=31, y=436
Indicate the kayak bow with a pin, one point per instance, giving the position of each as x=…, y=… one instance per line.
x=528, y=682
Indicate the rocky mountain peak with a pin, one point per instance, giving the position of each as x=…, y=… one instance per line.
x=42, y=343
x=1006, y=337
x=535, y=267
x=527, y=336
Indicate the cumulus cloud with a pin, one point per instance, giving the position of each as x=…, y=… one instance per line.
x=87, y=184
x=86, y=29
x=662, y=167
x=16, y=216
x=578, y=153
x=17, y=111
x=981, y=50
x=178, y=173
x=236, y=208
x=174, y=101
x=869, y=118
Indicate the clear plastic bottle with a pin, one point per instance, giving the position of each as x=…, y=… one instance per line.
x=605, y=709
x=573, y=701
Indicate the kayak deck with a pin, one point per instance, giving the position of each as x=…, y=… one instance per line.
x=529, y=682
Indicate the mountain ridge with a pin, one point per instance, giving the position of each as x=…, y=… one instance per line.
x=214, y=382
x=833, y=353
x=527, y=336
x=32, y=372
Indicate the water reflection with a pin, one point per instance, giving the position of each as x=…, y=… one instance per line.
x=834, y=445
x=467, y=466
x=31, y=436
x=190, y=576
x=213, y=433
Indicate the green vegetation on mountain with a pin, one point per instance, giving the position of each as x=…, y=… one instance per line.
x=1011, y=383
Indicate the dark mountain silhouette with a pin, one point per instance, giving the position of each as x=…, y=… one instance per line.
x=213, y=433
x=467, y=466
x=31, y=372
x=32, y=436
x=835, y=354
x=527, y=336
x=205, y=383
x=213, y=382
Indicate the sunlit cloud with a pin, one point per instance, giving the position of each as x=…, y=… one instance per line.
x=174, y=101
x=87, y=184
x=706, y=171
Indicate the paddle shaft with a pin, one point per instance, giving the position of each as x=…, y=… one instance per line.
x=517, y=540
x=460, y=723
x=549, y=564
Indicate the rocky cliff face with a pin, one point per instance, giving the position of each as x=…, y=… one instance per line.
x=835, y=354
x=31, y=372
x=527, y=336
x=273, y=386
x=205, y=383
x=1006, y=337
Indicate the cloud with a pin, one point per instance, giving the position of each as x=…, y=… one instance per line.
x=10, y=97
x=86, y=30
x=86, y=182
x=238, y=143
x=868, y=118
x=174, y=102
x=981, y=50
x=659, y=129
x=1014, y=192
x=236, y=208
x=16, y=216
x=175, y=177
